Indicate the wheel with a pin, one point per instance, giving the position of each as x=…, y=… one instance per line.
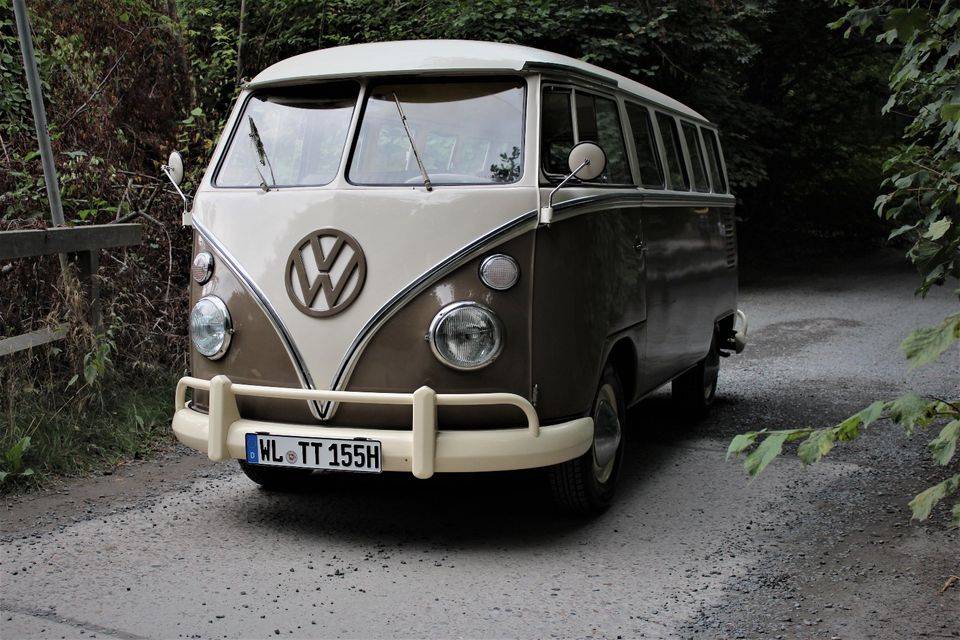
x=586, y=485
x=695, y=390
x=275, y=478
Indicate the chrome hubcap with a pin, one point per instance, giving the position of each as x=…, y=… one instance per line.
x=606, y=433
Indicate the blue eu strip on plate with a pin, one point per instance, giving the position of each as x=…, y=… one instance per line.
x=252, y=455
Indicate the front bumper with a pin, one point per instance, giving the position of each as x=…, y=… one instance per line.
x=422, y=450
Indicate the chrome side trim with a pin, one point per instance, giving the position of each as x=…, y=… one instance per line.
x=415, y=288
x=261, y=299
x=586, y=204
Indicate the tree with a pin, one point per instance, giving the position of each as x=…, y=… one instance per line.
x=922, y=196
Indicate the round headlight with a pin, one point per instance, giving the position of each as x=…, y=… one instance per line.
x=466, y=335
x=210, y=327
x=499, y=272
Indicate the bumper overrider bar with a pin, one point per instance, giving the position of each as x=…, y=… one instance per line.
x=422, y=450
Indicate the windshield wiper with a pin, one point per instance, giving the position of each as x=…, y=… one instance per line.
x=262, y=155
x=403, y=121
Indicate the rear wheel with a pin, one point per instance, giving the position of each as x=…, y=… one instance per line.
x=275, y=478
x=695, y=390
x=586, y=485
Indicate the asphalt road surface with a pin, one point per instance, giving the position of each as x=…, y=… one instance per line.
x=183, y=548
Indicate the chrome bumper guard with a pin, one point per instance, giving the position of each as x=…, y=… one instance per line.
x=422, y=450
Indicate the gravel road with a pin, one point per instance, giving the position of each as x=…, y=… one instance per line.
x=183, y=548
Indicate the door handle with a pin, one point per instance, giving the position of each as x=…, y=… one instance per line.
x=639, y=244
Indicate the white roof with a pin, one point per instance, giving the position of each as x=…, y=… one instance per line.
x=431, y=56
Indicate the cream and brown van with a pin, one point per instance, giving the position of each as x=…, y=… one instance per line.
x=453, y=256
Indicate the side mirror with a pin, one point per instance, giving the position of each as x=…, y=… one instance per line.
x=174, y=168
x=586, y=161
x=174, y=171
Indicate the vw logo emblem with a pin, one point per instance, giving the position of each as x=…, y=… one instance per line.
x=325, y=272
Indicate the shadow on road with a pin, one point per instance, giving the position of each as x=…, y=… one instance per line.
x=477, y=510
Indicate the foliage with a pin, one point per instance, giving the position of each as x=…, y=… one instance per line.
x=909, y=411
x=12, y=462
x=924, y=175
x=105, y=411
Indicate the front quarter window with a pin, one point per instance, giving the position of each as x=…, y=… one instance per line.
x=291, y=136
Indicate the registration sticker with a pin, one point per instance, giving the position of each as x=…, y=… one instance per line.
x=333, y=454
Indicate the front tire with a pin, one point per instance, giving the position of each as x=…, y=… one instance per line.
x=276, y=478
x=695, y=390
x=586, y=485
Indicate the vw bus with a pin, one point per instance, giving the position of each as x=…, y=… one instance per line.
x=452, y=256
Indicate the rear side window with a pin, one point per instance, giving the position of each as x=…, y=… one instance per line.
x=671, y=145
x=598, y=120
x=700, y=181
x=714, y=160
x=648, y=159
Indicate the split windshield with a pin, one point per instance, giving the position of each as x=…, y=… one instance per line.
x=290, y=136
x=464, y=131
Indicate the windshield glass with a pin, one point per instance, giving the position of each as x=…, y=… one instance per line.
x=465, y=132
x=289, y=137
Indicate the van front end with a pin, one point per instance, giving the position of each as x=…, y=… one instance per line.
x=359, y=303
x=422, y=449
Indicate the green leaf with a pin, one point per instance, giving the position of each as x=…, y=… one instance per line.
x=197, y=112
x=765, y=453
x=14, y=455
x=950, y=112
x=945, y=444
x=849, y=429
x=927, y=344
x=3, y=476
x=901, y=230
x=741, y=443
x=936, y=230
x=819, y=444
x=912, y=411
x=924, y=502
x=872, y=413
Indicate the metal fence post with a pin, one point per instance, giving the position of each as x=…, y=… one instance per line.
x=39, y=116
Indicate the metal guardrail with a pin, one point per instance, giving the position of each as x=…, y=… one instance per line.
x=83, y=244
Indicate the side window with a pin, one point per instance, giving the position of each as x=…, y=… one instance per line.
x=714, y=160
x=598, y=120
x=557, y=131
x=648, y=158
x=700, y=181
x=671, y=145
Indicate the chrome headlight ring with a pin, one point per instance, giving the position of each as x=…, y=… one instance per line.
x=458, y=325
x=211, y=328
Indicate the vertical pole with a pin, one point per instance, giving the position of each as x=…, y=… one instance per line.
x=39, y=116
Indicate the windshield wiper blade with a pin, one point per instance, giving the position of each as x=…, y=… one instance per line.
x=403, y=121
x=262, y=155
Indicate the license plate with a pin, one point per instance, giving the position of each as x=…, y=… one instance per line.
x=333, y=454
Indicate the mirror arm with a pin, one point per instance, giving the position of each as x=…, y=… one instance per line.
x=546, y=213
x=168, y=171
